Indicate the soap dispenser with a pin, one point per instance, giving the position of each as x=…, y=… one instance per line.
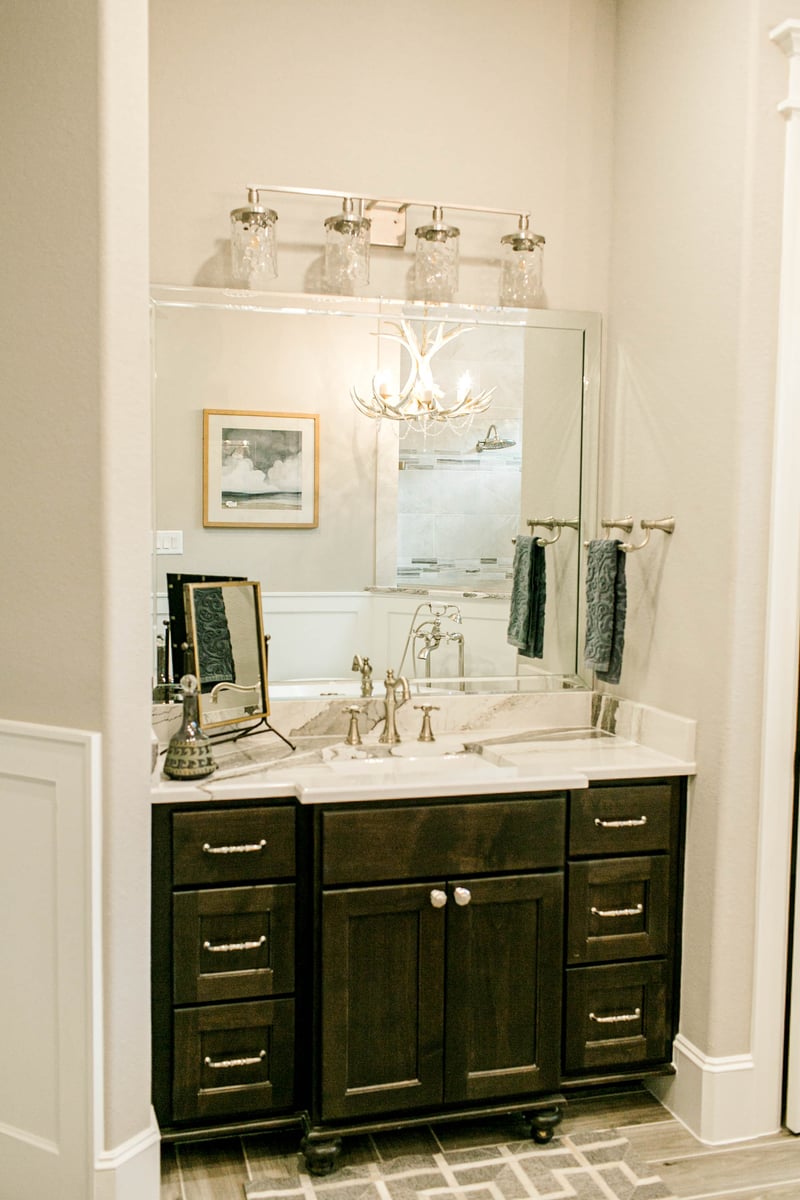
x=189, y=752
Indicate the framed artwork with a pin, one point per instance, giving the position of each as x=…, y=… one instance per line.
x=260, y=469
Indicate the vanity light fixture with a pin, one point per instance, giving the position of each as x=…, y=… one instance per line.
x=421, y=403
x=379, y=221
x=521, y=270
x=253, y=249
x=436, y=259
x=347, y=249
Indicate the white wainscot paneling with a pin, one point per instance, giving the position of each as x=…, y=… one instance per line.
x=314, y=635
x=51, y=1018
x=48, y=900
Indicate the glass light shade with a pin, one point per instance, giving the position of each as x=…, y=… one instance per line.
x=346, y=252
x=521, y=270
x=436, y=260
x=254, y=259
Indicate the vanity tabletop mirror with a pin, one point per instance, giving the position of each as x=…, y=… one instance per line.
x=410, y=520
x=226, y=639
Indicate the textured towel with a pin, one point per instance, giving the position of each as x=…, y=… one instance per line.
x=606, y=603
x=528, y=595
x=214, y=650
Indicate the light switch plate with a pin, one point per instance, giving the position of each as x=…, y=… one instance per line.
x=169, y=541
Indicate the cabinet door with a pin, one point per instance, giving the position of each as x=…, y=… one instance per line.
x=382, y=999
x=503, y=1018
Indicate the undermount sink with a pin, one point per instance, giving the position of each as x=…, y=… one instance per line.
x=402, y=764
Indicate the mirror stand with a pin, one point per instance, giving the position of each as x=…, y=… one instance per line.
x=243, y=733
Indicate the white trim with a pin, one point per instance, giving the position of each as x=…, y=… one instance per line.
x=112, y=1160
x=714, y=1097
x=783, y=642
x=132, y=1170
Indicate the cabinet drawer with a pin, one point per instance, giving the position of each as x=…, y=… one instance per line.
x=370, y=844
x=233, y=943
x=618, y=820
x=233, y=1058
x=616, y=1015
x=233, y=844
x=618, y=908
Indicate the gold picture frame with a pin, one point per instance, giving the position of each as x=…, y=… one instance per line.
x=260, y=469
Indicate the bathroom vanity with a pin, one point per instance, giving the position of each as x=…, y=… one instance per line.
x=350, y=943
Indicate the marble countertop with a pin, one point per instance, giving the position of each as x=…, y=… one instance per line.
x=489, y=760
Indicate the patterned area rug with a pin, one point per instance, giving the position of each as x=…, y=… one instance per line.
x=583, y=1166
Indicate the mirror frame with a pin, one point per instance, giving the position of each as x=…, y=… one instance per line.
x=589, y=324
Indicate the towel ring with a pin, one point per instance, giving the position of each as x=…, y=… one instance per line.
x=667, y=525
x=624, y=523
x=557, y=523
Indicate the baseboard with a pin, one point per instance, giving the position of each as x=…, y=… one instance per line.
x=715, y=1098
x=132, y=1170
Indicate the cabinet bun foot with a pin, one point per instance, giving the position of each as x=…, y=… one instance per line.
x=543, y=1124
x=321, y=1152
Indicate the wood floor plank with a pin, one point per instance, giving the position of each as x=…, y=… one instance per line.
x=660, y=1141
x=273, y=1155
x=787, y=1191
x=170, y=1174
x=213, y=1170
x=396, y=1143
x=730, y=1169
x=611, y=1112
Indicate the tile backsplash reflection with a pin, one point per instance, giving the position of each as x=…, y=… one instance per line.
x=458, y=507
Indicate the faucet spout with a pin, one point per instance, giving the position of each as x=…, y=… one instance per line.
x=390, y=736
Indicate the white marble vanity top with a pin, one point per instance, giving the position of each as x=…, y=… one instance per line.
x=566, y=743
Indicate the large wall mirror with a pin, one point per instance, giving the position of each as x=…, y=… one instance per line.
x=413, y=549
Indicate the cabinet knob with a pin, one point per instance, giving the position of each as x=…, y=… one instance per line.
x=462, y=896
x=438, y=898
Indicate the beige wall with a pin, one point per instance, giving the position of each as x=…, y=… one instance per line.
x=692, y=156
x=320, y=94
x=690, y=383
x=501, y=107
x=74, y=455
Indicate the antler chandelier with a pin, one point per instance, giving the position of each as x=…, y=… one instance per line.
x=421, y=403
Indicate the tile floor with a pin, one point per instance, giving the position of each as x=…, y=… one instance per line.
x=767, y=1168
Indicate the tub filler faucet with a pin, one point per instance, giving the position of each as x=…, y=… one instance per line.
x=365, y=667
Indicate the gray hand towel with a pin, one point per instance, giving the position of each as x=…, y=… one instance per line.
x=606, y=605
x=214, y=649
x=528, y=595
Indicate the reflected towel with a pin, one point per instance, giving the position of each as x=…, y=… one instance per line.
x=528, y=595
x=606, y=604
x=214, y=649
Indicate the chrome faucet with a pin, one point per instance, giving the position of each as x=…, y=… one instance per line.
x=390, y=736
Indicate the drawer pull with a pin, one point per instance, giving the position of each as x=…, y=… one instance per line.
x=245, y=848
x=230, y=947
x=617, y=912
x=629, y=823
x=462, y=896
x=617, y=1018
x=226, y=1064
x=438, y=898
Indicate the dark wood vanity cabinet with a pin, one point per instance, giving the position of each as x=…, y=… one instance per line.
x=439, y=954
x=223, y=956
x=411, y=959
x=624, y=885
